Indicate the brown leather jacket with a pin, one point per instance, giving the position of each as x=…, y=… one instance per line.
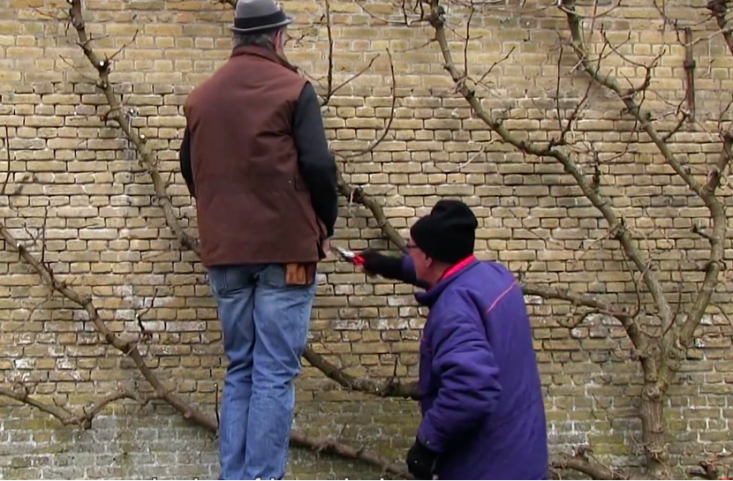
x=253, y=205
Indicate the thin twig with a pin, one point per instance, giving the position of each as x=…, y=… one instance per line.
x=373, y=145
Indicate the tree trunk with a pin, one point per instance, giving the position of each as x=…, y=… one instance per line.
x=654, y=432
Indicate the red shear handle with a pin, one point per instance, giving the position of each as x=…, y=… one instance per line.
x=358, y=260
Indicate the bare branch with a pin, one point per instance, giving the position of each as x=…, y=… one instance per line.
x=717, y=238
x=689, y=66
x=463, y=165
x=719, y=10
x=575, y=114
x=84, y=418
x=360, y=454
x=617, y=226
x=356, y=194
x=418, y=13
x=685, y=116
x=644, y=120
x=583, y=463
x=494, y=64
x=128, y=348
x=7, y=152
x=573, y=298
x=103, y=68
x=125, y=45
x=373, y=145
x=392, y=388
x=467, y=40
x=332, y=90
x=562, y=6
x=717, y=466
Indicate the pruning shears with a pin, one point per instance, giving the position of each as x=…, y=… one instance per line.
x=350, y=256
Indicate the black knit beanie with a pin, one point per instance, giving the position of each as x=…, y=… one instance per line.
x=448, y=233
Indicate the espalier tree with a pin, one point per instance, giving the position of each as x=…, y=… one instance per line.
x=662, y=308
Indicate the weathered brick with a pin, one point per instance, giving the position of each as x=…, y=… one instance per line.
x=106, y=236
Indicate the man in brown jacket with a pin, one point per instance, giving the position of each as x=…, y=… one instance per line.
x=256, y=158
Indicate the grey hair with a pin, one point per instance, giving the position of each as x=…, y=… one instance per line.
x=262, y=39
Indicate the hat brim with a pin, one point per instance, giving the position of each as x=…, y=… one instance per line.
x=287, y=21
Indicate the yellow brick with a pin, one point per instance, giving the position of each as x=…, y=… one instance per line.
x=78, y=185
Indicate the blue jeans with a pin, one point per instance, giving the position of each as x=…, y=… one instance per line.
x=265, y=330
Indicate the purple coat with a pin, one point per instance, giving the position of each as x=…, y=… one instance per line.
x=480, y=392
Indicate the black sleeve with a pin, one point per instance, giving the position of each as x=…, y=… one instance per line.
x=386, y=266
x=397, y=268
x=317, y=165
x=184, y=156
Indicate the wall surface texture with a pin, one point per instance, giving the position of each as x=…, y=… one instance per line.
x=77, y=186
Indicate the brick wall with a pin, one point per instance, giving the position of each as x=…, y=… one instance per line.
x=105, y=234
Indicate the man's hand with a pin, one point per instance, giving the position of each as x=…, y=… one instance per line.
x=326, y=246
x=421, y=461
x=376, y=263
x=367, y=255
x=372, y=259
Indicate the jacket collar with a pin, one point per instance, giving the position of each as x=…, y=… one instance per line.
x=265, y=53
x=429, y=297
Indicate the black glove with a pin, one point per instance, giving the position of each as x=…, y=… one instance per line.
x=421, y=461
x=376, y=263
